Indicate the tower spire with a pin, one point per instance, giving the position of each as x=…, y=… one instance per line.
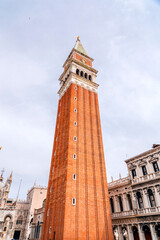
x=79, y=47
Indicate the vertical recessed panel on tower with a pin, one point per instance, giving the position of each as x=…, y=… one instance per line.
x=77, y=203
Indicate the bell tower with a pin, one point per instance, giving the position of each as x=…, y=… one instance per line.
x=77, y=203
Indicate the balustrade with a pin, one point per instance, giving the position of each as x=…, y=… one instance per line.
x=136, y=211
x=147, y=177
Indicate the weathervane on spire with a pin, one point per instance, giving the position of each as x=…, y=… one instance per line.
x=78, y=38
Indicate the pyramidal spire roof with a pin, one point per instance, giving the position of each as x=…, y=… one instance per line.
x=78, y=46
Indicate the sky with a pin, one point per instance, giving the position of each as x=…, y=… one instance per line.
x=36, y=36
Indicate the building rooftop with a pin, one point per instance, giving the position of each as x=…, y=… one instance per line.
x=155, y=148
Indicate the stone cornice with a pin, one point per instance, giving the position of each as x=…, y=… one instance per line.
x=144, y=154
x=80, y=81
x=79, y=63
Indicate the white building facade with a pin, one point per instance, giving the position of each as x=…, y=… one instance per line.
x=135, y=200
x=7, y=210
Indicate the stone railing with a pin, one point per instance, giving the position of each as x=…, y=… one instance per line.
x=147, y=177
x=119, y=181
x=135, y=212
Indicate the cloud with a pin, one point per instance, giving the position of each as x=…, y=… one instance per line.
x=36, y=38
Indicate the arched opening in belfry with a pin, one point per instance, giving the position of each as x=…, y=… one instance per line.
x=81, y=73
x=90, y=78
x=112, y=205
x=129, y=202
x=151, y=198
x=77, y=71
x=140, y=200
x=147, y=232
x=120, y=204
x=135, y=233
x=85, y=75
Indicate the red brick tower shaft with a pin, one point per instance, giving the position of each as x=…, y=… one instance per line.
x=77, y=204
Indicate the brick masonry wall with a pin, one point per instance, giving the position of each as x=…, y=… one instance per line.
x=90, y=218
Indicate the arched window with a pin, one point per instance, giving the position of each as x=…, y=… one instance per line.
x=77, y=71
x=157, y=228
x=85, y=75
x=90, y=78
x=147, y=232
x=151, y=198
x=112, y=205
x=135, y=233
x=140, y=200
x=129, y=202
x=19, y=220
x=81, y=73
x=120, y=203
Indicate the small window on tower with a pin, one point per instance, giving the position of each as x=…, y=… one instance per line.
x=75, y=123
x=50, y=230
x=90, y=78
x=75, y=88
x=75, y=99
x=53, y=170
x=85, y=75
x=55, y=153
x=54, y=236
x=74, y=176
x=77, y=71
x=75, y=139
x=74, y=156
x=73, y=201
x=48, y=213
x=56, y=139
x=75, y=110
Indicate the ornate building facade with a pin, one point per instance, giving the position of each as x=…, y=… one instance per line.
x=7, y=210
x=16, y=216
x=135, y=200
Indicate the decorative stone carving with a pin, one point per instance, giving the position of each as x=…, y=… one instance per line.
x=158, y=188
x=116, y=235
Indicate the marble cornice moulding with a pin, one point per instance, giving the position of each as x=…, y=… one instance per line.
x=91, y=86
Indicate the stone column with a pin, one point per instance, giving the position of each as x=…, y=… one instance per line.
x=153, y=232
x=116, y=204
x=120, y=233
x=130, y=232
x=145, y=198
x=157, y=195
x=124, y=200
x=134, y=201
x=141, y=233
